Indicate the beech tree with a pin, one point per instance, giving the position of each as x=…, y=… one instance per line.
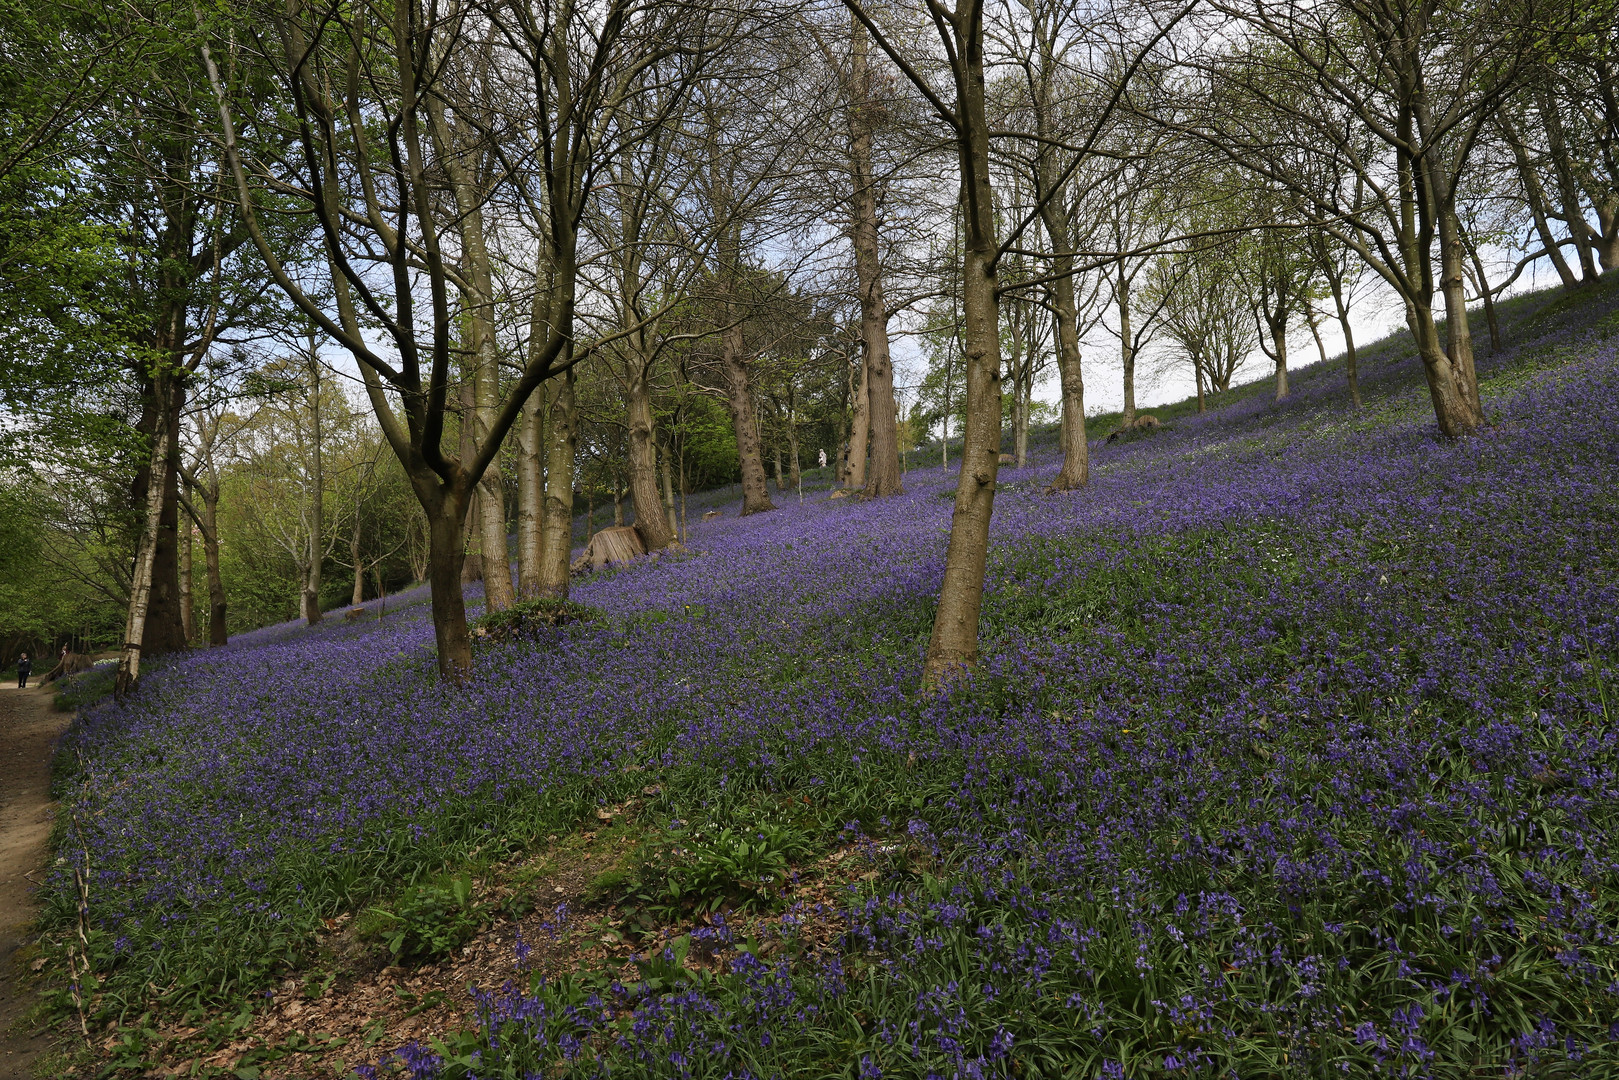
x=555, y=78
x=1366, y=117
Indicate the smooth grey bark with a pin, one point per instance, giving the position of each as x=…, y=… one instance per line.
x=1127, y=352
x=651, y=522
x=316, y=551
x=881, y=412
x=530, y=493
x=739, y=400
x=561, y=444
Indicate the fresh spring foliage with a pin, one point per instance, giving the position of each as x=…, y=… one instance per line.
x=1293, y=753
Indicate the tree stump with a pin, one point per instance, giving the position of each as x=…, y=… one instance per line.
x=620, y=544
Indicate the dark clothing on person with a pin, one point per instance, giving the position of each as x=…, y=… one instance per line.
x=24, y=666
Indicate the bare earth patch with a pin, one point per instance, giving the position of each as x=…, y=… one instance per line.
x=356, y=1008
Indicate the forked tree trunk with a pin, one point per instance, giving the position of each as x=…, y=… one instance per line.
x=651, y=523
x=739, y=397
x=561, y=442
x=881, y=413
x=530, y=493
x=1451, y=408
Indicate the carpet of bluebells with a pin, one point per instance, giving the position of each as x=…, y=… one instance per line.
x=1293, y=753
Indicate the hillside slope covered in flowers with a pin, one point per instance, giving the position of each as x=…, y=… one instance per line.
x=1293, y=754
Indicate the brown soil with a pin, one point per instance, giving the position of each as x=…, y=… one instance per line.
x=29, y=728
x=351, y=1009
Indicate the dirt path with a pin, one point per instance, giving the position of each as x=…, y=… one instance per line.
x=28, y=731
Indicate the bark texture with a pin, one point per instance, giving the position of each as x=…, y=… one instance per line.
x=953, y=644
x=530, y=493
x=739, y=399
x=561, y=442
x=651, y=522
x=1127, y=350
x=883, y=477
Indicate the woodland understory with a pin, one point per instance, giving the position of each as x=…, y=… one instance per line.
x=1292, y=753
x=577, y=543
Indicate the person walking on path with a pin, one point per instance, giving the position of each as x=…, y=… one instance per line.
x=24, y=666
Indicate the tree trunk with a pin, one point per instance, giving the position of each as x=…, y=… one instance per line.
x=446, y=549
x=666, y=472
x=1484, y=293
x=884, y=476
x=1315, y=334
x=1076, y=451
x=954, y=642
x=1020, y=376
x=755, y=493
x=140, y=588
x=472, y=541
x=497, y=565
x=1568, y=192
x=1126, y=346
x=491, y=489
x=561, y=443
x=187, y=613
x=1278, y=339
x=358, y=596
x=530, y=493
x=1535, y=197
x=162, y=628
x=859, y=427
x=1197, y=373
x=315, y=554
x=797, y=475
x=1336, y=285
x=1451, y=408
x=651, y=523
x=1459, y=339
x=217, y=635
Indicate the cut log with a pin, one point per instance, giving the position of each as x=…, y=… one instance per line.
x=619, y=544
